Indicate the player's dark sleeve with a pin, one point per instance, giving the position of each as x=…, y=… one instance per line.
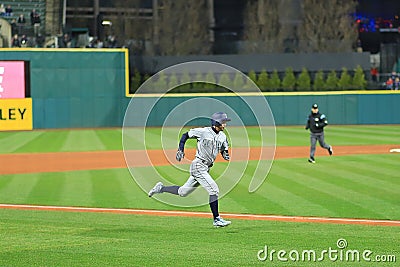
x=182, y=142
x=323, y=121
x=308, y=123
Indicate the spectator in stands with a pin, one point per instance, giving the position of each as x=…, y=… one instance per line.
x=65, y=41
x=9, y=11
x=112, y=41
x=24, y=41
x=2, y=10
x=389, y=84
x=393, y=75
x=15, y=41
x=33, y=14
x=14, y=27
x=21, y=22
x=40, y=40
x=99, y=43
x=36, y=23
x=396, y=83
x=374, y=74
x=21, y=19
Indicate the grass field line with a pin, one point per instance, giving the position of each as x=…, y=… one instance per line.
x=281, y=218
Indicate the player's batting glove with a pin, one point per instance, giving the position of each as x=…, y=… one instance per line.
x=180, y=155
x=225, y=155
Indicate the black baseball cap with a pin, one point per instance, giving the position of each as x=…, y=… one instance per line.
x=315, y=106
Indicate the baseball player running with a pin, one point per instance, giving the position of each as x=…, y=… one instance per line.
x=316, y=123
x=210, y=142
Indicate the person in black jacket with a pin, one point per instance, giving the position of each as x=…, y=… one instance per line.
x=316, y=123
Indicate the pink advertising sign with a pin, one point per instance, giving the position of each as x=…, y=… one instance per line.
x=12, y=79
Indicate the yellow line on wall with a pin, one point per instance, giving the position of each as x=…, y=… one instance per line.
x=33, y=49
x=358, y=92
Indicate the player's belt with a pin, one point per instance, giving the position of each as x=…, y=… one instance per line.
x=205, y=162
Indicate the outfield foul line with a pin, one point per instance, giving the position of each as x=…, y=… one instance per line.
x=298, y=219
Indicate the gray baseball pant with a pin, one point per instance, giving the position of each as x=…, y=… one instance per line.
x=314, y=137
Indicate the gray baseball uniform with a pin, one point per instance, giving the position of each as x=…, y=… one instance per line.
x=209, y=144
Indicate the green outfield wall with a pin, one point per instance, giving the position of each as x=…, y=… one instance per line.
x=82, y=88
x=354, y=107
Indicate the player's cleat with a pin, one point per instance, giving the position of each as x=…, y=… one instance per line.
x=330, y=150
x=219, y=222
x=311, y=160
x=156, y=189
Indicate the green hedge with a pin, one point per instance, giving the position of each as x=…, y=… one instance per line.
x=266, y=81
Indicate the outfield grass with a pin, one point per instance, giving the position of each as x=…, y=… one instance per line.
x=42, y=238
x=110, y=139
x=293, y=187
x=354, y=186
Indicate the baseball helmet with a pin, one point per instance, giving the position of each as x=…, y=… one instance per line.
x=219, y=118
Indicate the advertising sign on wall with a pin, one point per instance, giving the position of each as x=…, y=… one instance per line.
x=16, y=114
x=13, y=79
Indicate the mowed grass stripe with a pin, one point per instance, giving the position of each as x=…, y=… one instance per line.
x=133, y=194
x=132, y=139
x=345, y=179
x=11, y=143
x=367, y=199
x=364, y=135
x=387, y=164
x=47, y=141
x=340, y=135
x=298, y=197
x=4, y=181
x=151, y=138
x=106, y=186
x=273, y=197
x=371, y=175
x=239, y=198
x=292, y=199
x=319, y=180
x=322, y=198
x=78, y=189
x=369, y=129
x=48, y=187
x=18, y=188
x=381, y=167
x=169, y=138
x=173, y=175
x=83, y=140
x=110, y=138
x=357, y=139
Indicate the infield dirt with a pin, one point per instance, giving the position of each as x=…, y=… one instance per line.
x=19, y=163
